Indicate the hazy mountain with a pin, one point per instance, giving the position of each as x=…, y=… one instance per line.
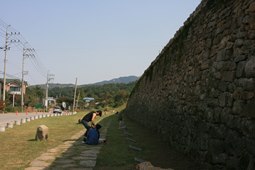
x=52, y=85
x=125, y=80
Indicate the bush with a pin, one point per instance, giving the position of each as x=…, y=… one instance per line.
x=12, y=109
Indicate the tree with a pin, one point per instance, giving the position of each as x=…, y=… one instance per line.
x=34, y=96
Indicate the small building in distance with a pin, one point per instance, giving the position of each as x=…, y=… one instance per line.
x=88, y=99
x=12, y=86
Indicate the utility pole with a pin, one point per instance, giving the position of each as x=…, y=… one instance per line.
x=74, y=97
x=5, y=60
x=49, y=77
x=7, y=35
x=25, y=55
x=77, y=101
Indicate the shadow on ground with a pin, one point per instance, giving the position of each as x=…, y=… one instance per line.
x=75, y=154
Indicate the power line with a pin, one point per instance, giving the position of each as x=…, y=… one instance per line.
x=31, y=79
x=18, y=41
x=4, y=24
x=32, y=61
x=10, y=75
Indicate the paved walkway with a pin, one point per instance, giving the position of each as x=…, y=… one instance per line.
x=72, y=154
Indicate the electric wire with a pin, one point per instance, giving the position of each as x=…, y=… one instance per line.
x=19, y=43
x=10, y=75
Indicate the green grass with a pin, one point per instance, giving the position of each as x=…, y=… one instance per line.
x=18, y=147
x=116, y=154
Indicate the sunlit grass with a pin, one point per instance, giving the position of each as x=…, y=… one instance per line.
x=18, y=147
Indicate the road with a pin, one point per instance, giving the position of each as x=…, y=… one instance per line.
x=11, y=117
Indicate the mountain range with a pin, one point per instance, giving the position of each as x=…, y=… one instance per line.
x=125, y=80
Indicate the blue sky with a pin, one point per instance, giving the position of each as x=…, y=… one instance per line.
x=90, y=39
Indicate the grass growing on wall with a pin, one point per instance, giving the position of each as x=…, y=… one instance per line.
x=215, y=4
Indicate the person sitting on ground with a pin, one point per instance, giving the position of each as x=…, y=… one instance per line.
x=93, y=135
x=90, y=117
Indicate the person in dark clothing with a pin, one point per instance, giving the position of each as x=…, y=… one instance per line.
x=90, y=117
x=93, y=135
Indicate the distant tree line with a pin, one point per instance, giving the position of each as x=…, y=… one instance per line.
x=34, y=97
x=108, y=95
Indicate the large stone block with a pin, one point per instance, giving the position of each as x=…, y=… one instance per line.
x=250, y=67
x=148, y=166
x=2, y=128
x=228, y=76
x=246, y=84
x=42, y=133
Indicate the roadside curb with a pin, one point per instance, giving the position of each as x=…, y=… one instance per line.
x=20, y=121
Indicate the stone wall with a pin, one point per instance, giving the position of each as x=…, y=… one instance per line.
x=200, y=91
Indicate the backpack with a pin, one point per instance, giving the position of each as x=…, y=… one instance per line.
x=92, y=136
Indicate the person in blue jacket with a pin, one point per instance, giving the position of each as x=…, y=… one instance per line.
x=93, y=135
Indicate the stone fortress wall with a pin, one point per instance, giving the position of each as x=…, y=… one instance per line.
x=199, y=93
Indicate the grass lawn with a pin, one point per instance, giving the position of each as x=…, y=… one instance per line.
x=116, y=154
x=18, y=147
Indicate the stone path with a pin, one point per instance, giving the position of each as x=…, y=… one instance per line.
x=72, y=154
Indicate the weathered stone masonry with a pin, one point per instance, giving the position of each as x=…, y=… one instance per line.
x=200, y=90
